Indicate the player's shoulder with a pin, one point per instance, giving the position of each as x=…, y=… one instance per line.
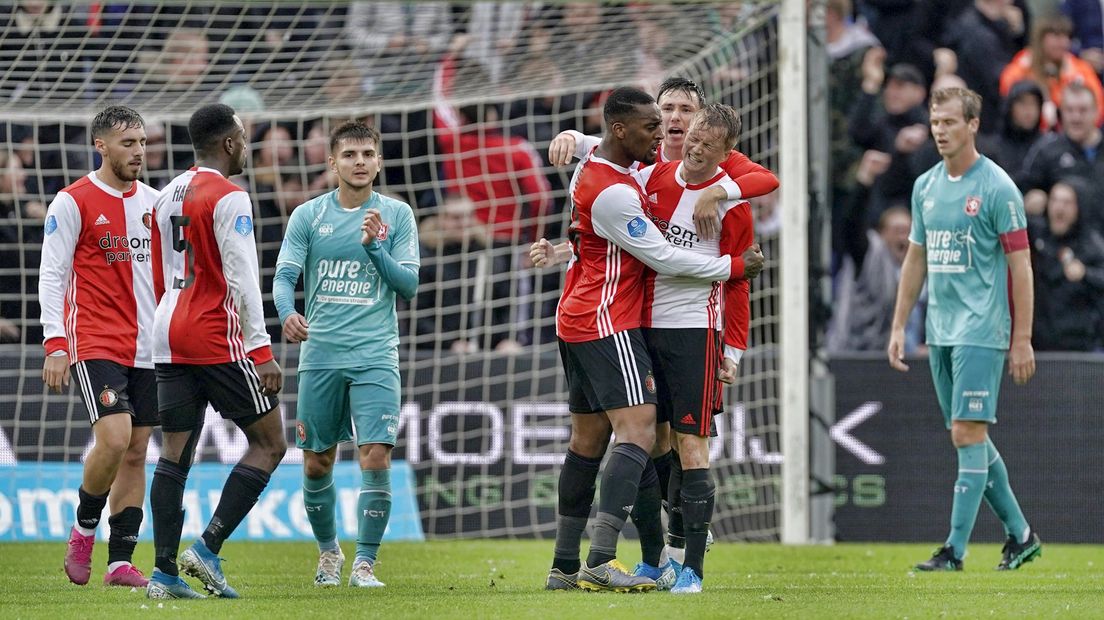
x=924, y=182
x=80, y=187
x=144, y=192
x=735, y=158
x=394, y=205
x=997, y=176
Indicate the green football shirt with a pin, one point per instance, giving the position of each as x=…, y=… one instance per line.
x=962, y=223
x=349, y=308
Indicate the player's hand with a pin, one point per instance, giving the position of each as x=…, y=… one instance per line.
x=55, y=372
x=727, y=372
x=371, y=227
x=296, y=328
x=896, y=350
x=562, y=149
x=272, y=378
x=707, y=219
x=542, y=253
x=753, y=261
x=1021, y=361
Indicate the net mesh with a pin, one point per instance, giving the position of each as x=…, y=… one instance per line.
x=485, y=420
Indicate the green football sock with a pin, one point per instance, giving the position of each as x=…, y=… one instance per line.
x=999, y=496
x=374, y=508
x=973, y=471
x=320, y=500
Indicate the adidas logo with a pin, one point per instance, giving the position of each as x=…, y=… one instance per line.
x=687, y=419
x=627, y=508
x=100, y=221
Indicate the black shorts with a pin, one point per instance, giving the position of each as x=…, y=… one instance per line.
x=610, y=373
x=108, y=387
x=686, y=363
x=233, y=389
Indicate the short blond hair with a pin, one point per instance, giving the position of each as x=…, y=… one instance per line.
x=723, y=117
x=971, y=101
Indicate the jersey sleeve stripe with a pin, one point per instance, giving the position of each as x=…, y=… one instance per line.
x=1014, y=241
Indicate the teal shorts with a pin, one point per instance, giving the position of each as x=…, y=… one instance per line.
x=334, y=402
x=967, y=382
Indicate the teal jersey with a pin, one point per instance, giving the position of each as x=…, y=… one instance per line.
x=350, y=309
x=962, y=222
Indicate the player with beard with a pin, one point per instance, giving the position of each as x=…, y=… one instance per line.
x=96, y=290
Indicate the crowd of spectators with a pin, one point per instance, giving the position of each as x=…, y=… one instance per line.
x=476, y=169
x=1040, y=78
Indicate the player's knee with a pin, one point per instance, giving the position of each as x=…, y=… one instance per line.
x=317, y=464
x=135, y=456
x=375, y=456
x=968, y=433
x=662, y=440
x=588, y=446
x=114, y=444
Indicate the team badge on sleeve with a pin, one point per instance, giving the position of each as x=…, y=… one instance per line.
x=637, y=227
x=973, y=205
x=51, y=224
x=244, y=225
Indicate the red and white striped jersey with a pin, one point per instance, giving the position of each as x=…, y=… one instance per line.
x=613, y=242
x=680, y=302
x=95, y=281
x=206, y=275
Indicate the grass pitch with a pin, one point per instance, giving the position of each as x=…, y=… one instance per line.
x=504, y=579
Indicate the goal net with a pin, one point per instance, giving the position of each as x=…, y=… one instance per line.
x=467, y=97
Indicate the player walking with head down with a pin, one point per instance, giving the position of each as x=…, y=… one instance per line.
x=968, y=235
x=356, y=250
x=96, y=292
x=210, y=347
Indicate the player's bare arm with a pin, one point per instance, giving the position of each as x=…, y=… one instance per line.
x=913, y=272
x=1021, y=356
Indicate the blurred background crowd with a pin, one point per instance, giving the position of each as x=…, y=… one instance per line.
x=468, y=95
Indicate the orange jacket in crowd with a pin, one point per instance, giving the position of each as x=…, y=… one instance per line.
x=1073, y=70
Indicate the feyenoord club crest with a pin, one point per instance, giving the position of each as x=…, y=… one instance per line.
x=649, y=383
x=108, y=397
x=382, y=236
x=973, y=205
x=301, y=431
x=147, y=220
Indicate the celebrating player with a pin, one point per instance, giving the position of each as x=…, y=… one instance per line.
x=210, y=347
x=96, y=289
x=356, y=249
x=679, y=99
x=680, y=318
x=609, y=373
x=968, y=234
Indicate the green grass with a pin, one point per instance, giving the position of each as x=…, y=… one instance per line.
x=503, y=579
